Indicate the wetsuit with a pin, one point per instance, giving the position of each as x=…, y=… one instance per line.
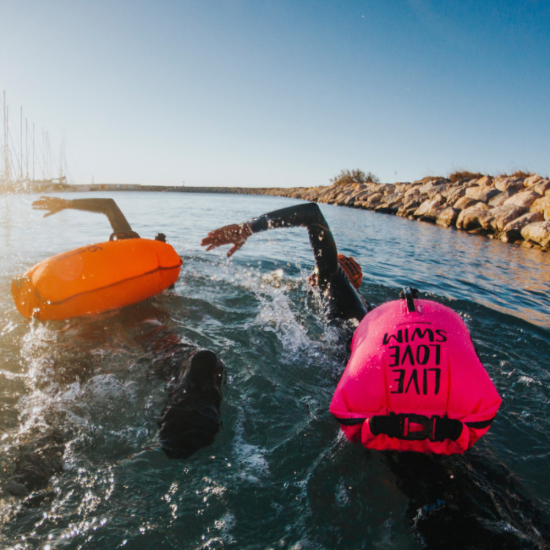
x=192, y=417
x=341, y=299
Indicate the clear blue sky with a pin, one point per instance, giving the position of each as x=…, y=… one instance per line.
x=282, y=92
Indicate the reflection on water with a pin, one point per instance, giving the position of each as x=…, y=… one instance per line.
x=79, y=399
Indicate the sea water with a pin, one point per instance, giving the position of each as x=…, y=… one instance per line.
x=280, y=474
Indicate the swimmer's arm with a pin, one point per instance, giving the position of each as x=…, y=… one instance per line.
x=100, y=206
x=306, y=215
x=309, y=216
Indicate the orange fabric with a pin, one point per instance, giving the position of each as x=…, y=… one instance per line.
x=352, y=269
x=96, y=278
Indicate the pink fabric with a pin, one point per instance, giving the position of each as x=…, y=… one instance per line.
x=420, y=362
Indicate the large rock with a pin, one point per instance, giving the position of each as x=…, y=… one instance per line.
x=542, y=205
x=475, y=217
x=503, y=215
x=512, y=231
x=542, y=187
x=532, y=180
x=507, y=182
x=447, y=216
x=438, y=190
x=463, y=203
x=485, y=181
x=482, y=194
x=453, y=193
x=373, y=199
x=538, y=232
x=524, y=198
x=408, y=207
x=413, y=192
x=499, y=200
x=430, y=209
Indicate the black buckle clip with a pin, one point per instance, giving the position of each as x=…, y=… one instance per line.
x=404, y=431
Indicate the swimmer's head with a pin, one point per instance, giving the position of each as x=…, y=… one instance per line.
x=204, y=371
x=193, y=417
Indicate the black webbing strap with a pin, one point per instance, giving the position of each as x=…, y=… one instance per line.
x=406, y=426
x=350, y=421
x=480, y=425
x=435, y=428
x=409, y=294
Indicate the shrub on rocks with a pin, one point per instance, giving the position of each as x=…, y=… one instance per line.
x=463, y=175
x=346, y=177
x=538, y=232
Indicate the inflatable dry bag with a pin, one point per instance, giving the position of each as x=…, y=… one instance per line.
x=414, y=382
x=96, y=278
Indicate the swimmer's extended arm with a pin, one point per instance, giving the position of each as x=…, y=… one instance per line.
x=305, y=215
x=101, y=206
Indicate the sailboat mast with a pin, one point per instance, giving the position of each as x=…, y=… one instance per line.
x=26, y=149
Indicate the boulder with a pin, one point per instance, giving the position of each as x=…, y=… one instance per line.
x=512, y=231
x=414, y=192
x=507, y=182
x=524, y=198
x=542, y=205
x=373, y=199
x=438, y=190
x=463, y=203
x=429, y=209
x=453, y=192
x=447, y=216
x=503, y=215
x=531, y=180
x=542, y=187
x=482, y=194
x=485, y=181
x=499, y=200
x=475, y=217
x=408, y=207
x=538, y=232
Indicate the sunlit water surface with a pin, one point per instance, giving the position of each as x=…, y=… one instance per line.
x=279, y=474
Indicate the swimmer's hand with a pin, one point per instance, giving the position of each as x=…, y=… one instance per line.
x=53, y=204
x=235, y=234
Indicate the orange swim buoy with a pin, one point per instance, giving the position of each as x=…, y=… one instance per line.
x=96, y=278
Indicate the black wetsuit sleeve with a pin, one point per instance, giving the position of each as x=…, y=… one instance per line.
x=321, y=239
x=341, y=298
x=103, y=206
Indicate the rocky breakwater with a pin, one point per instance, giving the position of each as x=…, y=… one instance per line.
x=513, y=209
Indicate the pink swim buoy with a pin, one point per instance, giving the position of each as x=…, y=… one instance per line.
x=414, y=382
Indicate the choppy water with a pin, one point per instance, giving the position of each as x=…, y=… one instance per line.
x=279, y=474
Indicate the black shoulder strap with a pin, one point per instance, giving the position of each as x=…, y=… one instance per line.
x=409, y=294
